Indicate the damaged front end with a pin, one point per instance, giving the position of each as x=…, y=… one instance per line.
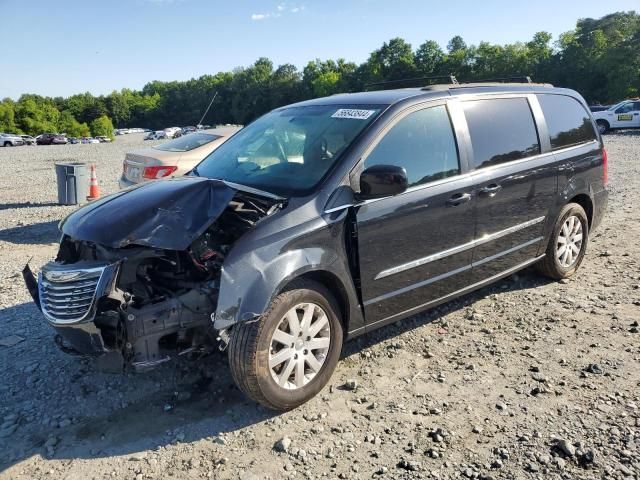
x=137, y=276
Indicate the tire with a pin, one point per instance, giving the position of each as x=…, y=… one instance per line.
x=555, y=264
x=251, y=349
x=603, y=126
x=8, y=144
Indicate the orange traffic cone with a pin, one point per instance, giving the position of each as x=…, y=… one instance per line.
x=94, y=190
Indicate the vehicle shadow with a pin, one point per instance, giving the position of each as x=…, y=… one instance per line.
x=627, y=133
x=36, y=233
x=64, y=402
x=523, y=280
x=117, y=414
x=11, y=206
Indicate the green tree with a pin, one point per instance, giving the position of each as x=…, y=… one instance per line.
x=392, y=61
x=35, y=114
x=600, y=58
x=322, y=78
x=71, y=127
x=429, y=59
x=102, y=126
x=7, y=116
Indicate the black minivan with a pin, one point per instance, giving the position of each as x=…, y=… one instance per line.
x=324, y=220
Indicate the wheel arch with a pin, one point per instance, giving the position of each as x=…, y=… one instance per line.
x=586, y=203
x=331, y=282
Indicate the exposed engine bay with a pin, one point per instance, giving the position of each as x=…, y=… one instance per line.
x=137, y=306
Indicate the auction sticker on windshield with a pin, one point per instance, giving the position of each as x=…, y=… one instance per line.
x=353, y=113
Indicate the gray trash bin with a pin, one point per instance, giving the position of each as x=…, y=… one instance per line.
x=73, y=183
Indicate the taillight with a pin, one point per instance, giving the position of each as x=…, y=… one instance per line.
x=158, y=172
x=605, y=167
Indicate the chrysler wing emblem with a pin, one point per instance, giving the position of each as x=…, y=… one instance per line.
x=61, y=276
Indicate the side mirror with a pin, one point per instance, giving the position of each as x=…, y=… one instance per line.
x=382, y=181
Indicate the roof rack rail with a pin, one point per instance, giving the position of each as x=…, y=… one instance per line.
x=514, y=79
x=452, y=79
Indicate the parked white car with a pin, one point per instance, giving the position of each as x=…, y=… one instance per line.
x=10, y=140
x=28, y=139
x=157, y=135
x=173, y=132
x=625, y=114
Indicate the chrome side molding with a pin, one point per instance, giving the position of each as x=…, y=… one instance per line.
x=460, y=248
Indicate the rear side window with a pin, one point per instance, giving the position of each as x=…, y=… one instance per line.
x=501, y=130
x=567, y=121
x=423, y=143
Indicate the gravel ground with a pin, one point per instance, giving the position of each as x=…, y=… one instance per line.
x=524, y=379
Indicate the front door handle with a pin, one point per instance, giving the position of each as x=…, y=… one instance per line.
x=490, y=190
x=458, y=199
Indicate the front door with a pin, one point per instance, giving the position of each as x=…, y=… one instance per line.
x=416, y=247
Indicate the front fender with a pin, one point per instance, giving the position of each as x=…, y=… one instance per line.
x=251, y=279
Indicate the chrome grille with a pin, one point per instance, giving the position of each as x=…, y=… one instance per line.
x=68, y=296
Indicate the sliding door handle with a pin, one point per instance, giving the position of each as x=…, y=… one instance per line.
x=490, y=190
x=458, y=199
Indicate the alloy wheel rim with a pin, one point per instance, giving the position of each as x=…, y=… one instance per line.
x=299, y=346
x=569, y=242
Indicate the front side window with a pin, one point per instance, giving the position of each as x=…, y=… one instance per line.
x=627, y=107
x=187, y=142
x=288, y=151
x=422, y=143
x=501, y=130
x=567, y=121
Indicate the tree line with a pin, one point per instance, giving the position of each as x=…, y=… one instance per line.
x=600, y=58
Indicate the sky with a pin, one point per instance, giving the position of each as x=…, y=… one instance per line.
x=73, y=46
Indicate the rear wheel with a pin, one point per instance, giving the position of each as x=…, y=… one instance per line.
x=603, y=126
x=285, y=357
x=568, y=243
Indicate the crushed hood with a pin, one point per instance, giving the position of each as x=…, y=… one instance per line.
x=168, y=214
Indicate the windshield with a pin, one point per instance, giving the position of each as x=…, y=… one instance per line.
x=187, y=142
x=288, y=151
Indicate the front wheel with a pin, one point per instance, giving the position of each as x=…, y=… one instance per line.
x=568, y=243
x=285, y=357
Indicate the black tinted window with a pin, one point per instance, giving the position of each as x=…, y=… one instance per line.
x=567, y=121
x=501, y=130
x=422, y=143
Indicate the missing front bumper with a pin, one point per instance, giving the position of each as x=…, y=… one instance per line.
x=123, y=336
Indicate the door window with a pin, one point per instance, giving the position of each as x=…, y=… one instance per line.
x=567, y=121
x=423, y=143
x=501, y=130
x=627, y=107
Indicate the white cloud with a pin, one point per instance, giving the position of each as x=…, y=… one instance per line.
x=281, y=8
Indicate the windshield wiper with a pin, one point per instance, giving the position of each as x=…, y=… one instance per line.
x=194, y=170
